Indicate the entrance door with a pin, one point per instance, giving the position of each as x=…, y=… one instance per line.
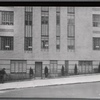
x=38, y=69
x=53, y=68
x=66, y=67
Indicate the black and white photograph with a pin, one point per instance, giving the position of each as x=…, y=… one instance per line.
x=49, y=52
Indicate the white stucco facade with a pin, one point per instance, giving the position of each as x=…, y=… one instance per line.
x=84, y=33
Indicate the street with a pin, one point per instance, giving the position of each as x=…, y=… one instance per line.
x=83, y=90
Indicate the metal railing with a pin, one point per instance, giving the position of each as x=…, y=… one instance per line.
x=25, y=76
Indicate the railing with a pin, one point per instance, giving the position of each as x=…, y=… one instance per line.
x=16, y=77
x=25, y=76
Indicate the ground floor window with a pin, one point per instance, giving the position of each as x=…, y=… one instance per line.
x=18, y=67
x=85, y=66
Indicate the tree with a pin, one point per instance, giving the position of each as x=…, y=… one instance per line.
x=62, y=70
x=75, y=70
x=46, y=71
x=99, y=68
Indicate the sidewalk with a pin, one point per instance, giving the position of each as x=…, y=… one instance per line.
x=56, y=81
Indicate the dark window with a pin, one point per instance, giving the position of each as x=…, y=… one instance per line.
x=58, y=18
x=96, y=43
x=96, y=20
x=71, y=10
x=57, y=42
x=44, y=20
x=28, y=43
x=71, y=44
x=6, y=43
x=58, y=46
x=44, y=44
x=7, y=17
x=44, y=28
x=28, y=29
x=71, y=28
x=28, y=18
x=58, y=28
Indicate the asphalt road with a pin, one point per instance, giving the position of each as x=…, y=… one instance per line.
x=46, y=99
x=84, y=90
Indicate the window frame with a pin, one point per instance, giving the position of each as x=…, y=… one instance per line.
x=44, y=28
x=58, y=28
x=28, y=34
x=7, y=43
x=96, y=21
x=7, y=17
x=95, y=41
x=16, y=69
x=71, y=28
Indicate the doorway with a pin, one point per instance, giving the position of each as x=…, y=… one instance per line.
x=66, y=67
x=38, y=69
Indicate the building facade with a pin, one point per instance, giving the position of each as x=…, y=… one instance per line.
x=37, y=37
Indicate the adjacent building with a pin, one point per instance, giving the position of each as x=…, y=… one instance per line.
x=37, y=37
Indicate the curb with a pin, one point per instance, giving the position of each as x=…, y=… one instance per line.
x=50, y=82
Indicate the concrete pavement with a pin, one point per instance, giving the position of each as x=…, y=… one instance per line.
x=55, y=81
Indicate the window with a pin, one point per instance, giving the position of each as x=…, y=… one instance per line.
x=7, y=17
x=45, y=28
x=70, y=43
x=6, y=43
x=28, y=18
x=58, y=15
x=58, y=42
x=44, y=20
x=96, y=43
x=44, y=44
x=58, y=18
x=96, y=20
x=18, y=66
x=85, y=67
x=71, y=31
x=70, y=10
x=28, y=43
x=28, y=29
x=58, y=28
x=71, y=19
x=71, y=28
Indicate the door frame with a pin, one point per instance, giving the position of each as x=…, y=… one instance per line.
x=66, y=67
x=41, y=68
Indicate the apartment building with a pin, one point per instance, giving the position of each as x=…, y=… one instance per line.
x=37, y=37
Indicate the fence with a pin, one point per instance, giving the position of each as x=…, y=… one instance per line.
x=16, y=77
x=25, y=76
